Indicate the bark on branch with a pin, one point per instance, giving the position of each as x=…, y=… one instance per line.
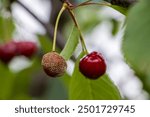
x=48, y=27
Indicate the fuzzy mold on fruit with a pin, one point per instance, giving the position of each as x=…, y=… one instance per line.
x=53, y=64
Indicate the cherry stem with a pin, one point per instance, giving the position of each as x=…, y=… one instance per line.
x=84, y=49
x=56, y=25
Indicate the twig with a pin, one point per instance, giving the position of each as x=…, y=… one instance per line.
x=49, y=28
x=92, y=3
x=122, y=3
x=21, y=4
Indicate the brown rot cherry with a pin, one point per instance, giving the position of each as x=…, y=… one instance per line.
x=53, y=64
x=92, y=65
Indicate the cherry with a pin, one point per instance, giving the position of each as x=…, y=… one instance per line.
x=26, y=48
x=7, y=51
x=53, y=64
x=92, y=65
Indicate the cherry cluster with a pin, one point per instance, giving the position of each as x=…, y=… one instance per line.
x=12, y=49
x=92, y=66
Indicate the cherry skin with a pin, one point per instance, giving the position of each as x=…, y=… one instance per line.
x=26, y=48
x=53, y=64
x=7, y=51
x=92, y=65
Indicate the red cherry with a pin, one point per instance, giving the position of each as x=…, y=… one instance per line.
x=7, y=51
x=26, y=48
x=92, y=65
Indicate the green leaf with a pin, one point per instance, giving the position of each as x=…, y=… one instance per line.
x=22, y=81
x=82, y=88
x=115, y=26
x=66, y=80
x=6, y=28
x=55, y=90
x=120, y=9
x=71, y=44
x=136, y=43
x=7, y=81
x=45, y=42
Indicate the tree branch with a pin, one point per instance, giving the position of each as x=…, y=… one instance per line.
x=122, y=3
x=49, y=28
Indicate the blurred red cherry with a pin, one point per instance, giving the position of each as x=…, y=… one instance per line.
x=26, y=48
x=7, y=51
